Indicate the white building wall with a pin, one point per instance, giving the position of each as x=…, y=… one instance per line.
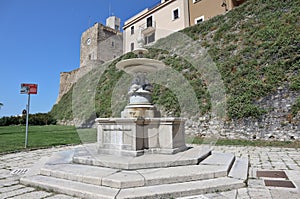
x=163, y=22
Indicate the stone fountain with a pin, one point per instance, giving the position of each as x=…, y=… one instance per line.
x=139, y=155
x=140, y=129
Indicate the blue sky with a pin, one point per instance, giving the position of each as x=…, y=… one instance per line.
x=41, y=38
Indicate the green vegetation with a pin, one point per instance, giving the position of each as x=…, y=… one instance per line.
x=296, y=107
x=34, y=119
x=255, y=48
x=13, y=137
x=238, y=142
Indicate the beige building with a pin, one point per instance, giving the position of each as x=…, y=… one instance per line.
x=167, y=17
x=170, y=16
x=202, y=10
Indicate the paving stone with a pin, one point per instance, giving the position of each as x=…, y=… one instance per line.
x=35, y=194
x=8, y=182
x=255, y=183
x=16, y=192
x=251, y=193
x=61, y=196
x=222, y=195
x=11, y=188
x=284, y=193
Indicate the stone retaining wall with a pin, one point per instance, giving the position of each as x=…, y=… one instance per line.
x=277, y=124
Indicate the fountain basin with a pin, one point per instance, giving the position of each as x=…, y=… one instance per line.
x=140, y=65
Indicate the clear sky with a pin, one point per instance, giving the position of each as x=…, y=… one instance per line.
x=41, y=38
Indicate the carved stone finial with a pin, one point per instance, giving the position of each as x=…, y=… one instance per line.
x=140, y=50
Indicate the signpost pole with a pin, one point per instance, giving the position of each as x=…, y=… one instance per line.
x=27, y=114
x=28, y=89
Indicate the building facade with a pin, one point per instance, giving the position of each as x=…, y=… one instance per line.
x=202, y=10
x=101, y=42
x=170, y=16
x=167, y=17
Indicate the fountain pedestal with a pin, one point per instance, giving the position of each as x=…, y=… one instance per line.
x=136, y=136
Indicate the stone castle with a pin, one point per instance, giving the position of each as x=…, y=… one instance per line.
x=100, y=43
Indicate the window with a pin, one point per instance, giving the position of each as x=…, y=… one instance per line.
x=117, y=27
x=90, y=57
x=113, y=44
x=132, y=46
x=175, y=14
x=150, y=38
x=132, y=30
x=149, y=22
x=195, y=1
x=199, y=20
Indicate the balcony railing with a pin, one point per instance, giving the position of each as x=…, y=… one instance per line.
x=148, y=27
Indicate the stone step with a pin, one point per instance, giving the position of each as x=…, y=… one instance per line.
x=128, y=179
x=83, y=190
x=78, y=189
x=182, y=189
x=192, y=156
x=216, y=158
x=77, y=172
x=239, y=169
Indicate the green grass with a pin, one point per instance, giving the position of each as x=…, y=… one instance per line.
x=238, y=142
x=12, y=138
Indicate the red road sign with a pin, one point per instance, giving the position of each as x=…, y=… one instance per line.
x=29, y=88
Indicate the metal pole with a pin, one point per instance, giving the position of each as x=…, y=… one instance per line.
x=27, y=115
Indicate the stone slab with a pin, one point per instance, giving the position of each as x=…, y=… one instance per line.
x=124, y=179
x=72, y=188
x=182, y=174
x=226, y=159
x=181, y=189
x=189, y=157
x=80, y=173
x=239, y=169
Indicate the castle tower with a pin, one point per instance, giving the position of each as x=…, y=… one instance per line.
x=113, y=22
x=101, y=43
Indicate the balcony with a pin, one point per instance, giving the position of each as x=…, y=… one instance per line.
x=148, y=28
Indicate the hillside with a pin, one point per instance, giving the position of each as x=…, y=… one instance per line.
x=255, y=47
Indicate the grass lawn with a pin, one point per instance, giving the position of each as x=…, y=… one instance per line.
x=12, y=138
x=237, y=142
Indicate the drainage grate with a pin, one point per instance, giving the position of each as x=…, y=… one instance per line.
x=271, y=174
x=19, y=171
x=279, y=183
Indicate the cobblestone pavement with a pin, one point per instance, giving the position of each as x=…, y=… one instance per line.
x=260, y=159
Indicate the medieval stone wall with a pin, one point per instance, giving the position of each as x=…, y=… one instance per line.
x=277, y=124
x=68, y=79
